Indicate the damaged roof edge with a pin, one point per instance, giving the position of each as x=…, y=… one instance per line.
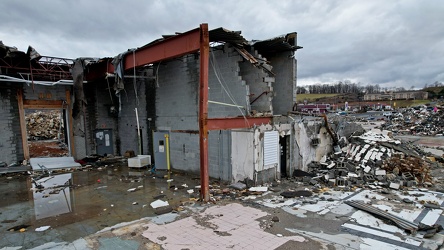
x=286, y=42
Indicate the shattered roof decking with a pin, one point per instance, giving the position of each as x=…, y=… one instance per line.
x=31, y=66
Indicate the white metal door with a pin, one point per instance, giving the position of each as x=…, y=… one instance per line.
x=271, y=149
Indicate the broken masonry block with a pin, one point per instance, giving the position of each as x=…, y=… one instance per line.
x=331, y=182
x=351, y=167
x=331, y=165
x=394, y=185
x=390, y=177
x=341, y=172
x=380, y=178
x=407, y=176
x=340, y=182
x=380, y=172
x=340, y=164
x=315, y=141
x=369, y=178
x=367, y=169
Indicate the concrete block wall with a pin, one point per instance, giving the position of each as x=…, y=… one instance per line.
x=134, y=96
x=225, y=83
x=10, y=136
x=284, y=96
x=258, y=82
x=177, y=94
x=177, y=109
x=99, y=100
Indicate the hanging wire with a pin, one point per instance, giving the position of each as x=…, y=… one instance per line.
x=157, y=74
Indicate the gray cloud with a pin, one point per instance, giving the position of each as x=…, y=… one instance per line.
x=392, y=43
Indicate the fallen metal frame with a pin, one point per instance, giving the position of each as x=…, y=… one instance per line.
x=409, y=226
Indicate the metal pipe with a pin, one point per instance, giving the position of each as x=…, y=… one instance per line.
x=138, y=132
x=167, y=144
x=4, y=78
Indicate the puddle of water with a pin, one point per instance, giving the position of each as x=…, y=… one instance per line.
x=80, y=203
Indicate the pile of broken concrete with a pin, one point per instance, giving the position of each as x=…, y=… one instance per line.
x=417, y=121
x=44, y=125
x=374, y=160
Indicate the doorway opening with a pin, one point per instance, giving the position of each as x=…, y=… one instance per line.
x=46, y=132
x=284, y=154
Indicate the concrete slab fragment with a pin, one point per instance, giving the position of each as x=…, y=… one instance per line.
x=237, y=224
x=53, y=163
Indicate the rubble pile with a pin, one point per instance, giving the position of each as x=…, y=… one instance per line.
x=411, y=168
x=416, y=121
x=44, y=125
x=373, y=160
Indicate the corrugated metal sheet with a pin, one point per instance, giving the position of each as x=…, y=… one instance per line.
x=277, y=44
x=400, y=222
x=271, y=149
x=224, y=35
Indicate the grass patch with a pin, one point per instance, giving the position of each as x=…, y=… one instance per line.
x=312, y=97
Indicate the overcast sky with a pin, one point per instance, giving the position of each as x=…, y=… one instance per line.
x=393, y=43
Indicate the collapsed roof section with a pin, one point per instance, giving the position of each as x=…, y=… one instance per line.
x=18, y=66
x=31, y=67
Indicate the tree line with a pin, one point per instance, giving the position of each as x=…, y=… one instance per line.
x=347, y=86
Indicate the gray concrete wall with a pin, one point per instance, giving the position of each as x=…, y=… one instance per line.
x=258, y=82
x=225, y=83
x=177, y=108
x=134, y=96
x=10, y=136
x=284, y=66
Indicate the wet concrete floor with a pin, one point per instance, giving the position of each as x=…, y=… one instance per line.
x=74, y=204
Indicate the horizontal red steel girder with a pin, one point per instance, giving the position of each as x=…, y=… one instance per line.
x=172, y=47
x=236, y=122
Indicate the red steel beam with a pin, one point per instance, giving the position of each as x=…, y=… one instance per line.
x=235, y=122
x=203, y=112
x=172, y=47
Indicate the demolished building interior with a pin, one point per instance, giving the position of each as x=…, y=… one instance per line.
x=211, y=103
x=208, y=88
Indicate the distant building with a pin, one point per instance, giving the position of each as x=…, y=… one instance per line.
x=405, y=95
x=313, y=108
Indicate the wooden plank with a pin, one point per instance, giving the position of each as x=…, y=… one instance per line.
x=69, y=110
x=42, y=104
x=23, y=124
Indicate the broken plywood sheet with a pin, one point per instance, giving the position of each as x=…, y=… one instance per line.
x=53, y=163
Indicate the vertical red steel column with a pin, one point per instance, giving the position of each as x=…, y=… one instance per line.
x=203, y=111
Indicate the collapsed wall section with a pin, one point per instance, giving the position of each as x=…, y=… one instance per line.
x=225, y=84
x=313, y=143
x=260, y=85
x=10, y=137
